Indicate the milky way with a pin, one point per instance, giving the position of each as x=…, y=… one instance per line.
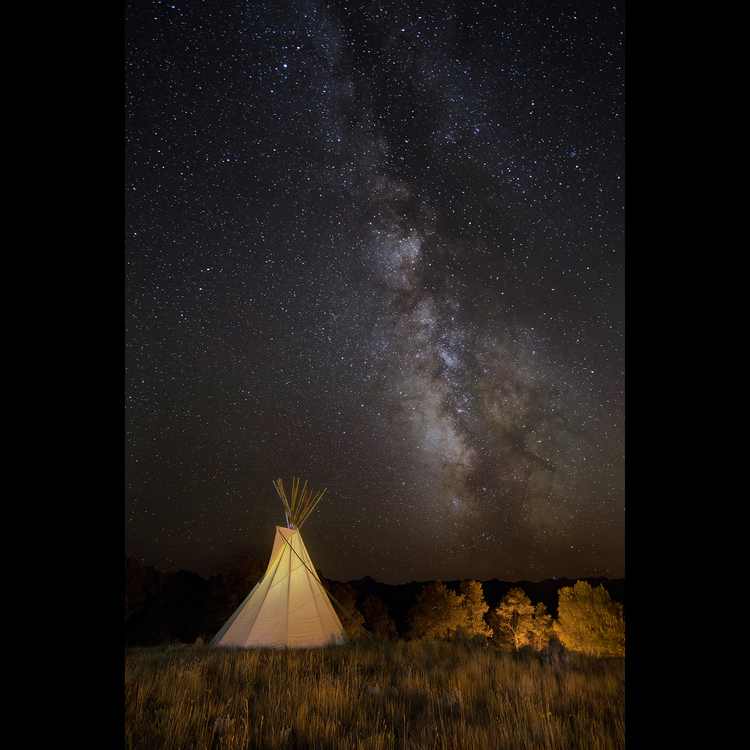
x=379, y=247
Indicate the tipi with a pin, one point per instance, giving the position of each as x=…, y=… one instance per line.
x=288, y=607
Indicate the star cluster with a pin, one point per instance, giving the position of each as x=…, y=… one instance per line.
x=379, y=246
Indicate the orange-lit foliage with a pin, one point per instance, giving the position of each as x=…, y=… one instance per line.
x=512, y=619
x=438, y=612
x=589, y=621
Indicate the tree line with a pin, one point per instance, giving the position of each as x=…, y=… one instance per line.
x=588, y=621
x=163, y=607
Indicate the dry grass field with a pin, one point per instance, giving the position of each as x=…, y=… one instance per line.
x=418, y=695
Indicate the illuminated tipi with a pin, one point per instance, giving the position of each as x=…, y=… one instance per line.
x=288, y=608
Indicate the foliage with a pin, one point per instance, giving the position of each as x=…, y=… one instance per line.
x=345, y=604
x=474, y=608
x=164, y=607
x=175, y=611
x=543, y=631
x=228, y=589
x=140, y=582
x=386, y=695
x=377, y=621
x=516, y=622
x=436, y=612
x=589, y=621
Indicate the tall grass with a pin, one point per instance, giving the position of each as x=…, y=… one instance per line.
x=419, y=694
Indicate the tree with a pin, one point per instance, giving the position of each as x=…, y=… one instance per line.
x=377, y=621
x=345, y=602
x=512, y=621
x=474, y=608
x=140, y=582
x=228, y=589
x=542, y=629
x=176, y=611
x=589, y=621
x=436, y=612
x=243, y=576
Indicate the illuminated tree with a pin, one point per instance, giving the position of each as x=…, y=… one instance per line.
x=589, y=621
x=542, y=627
x=474, y=608
x=512, y=621
x=436, y=612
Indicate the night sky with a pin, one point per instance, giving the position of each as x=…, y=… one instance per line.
x=378, y=245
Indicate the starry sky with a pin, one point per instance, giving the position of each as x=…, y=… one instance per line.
x=378, y=245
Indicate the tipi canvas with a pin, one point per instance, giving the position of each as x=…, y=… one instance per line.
x=288, y=607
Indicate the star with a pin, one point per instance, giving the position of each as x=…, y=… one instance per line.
x=381, y=248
